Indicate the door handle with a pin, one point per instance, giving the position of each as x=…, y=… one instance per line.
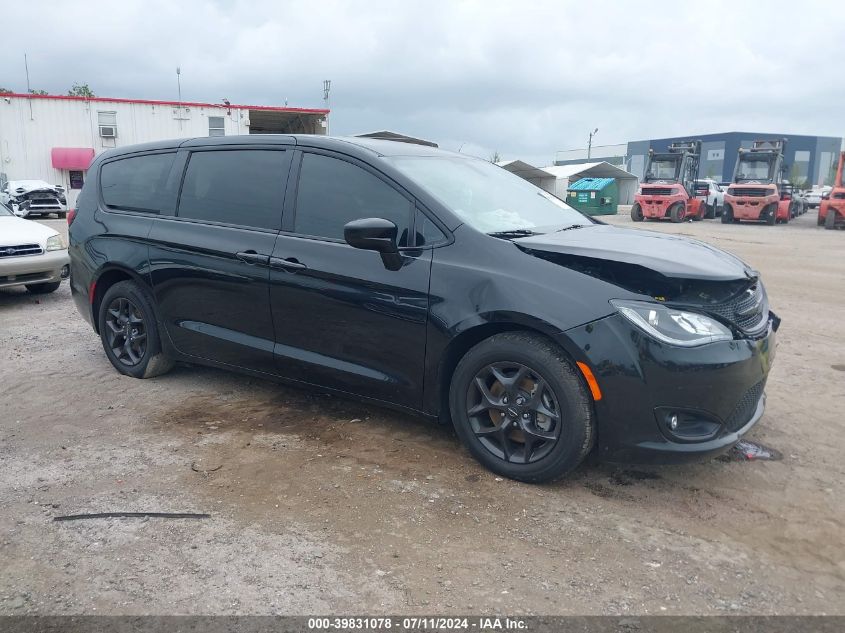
x=251, y=257
x=290, y=264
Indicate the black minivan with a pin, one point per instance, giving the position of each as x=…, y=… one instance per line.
x=427, y=281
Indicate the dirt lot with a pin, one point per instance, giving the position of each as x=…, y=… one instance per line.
x=322, y=505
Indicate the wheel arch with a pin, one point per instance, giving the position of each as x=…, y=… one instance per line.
x=472, y=334
x=106, y=277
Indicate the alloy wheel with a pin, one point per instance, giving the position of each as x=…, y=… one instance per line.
x=513, y=412
x=126, y=332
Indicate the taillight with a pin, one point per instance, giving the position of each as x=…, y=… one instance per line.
x=71, y=214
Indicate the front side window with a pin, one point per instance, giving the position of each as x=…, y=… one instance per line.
x=244, y=187
x=216, y=126
x=485, y=196
x=663, y=170
x=333, y=192
x=753, y=170
x=138, y=183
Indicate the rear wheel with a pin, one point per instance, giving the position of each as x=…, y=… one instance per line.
x=636, y=212
x=702, y=211
x=678, y=212
x=62, y=215
x=520, y=407
x=727, y=214
x=710, y=211
x=43, y=289
x=129, y=332
x=830, y=220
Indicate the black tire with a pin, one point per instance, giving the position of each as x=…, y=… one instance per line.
x=830, y=220
x=678, y=212
x=62, y=215
x=45, y=288
x=709, y=211
x=636, y=212
x=574, y=429
x=819, y=220
x=127, y=312
x=772, y=217
x=727, y=214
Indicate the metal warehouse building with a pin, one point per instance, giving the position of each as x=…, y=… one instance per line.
x=55, y=138
x=808, y=158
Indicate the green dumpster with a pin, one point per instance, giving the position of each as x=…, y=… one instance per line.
x=594, y=196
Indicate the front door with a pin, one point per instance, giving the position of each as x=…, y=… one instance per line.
x=342, y=320
x=209, y=263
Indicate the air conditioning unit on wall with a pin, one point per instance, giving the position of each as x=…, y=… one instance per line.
x=108, y=131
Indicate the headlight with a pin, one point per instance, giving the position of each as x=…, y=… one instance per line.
x=673, y=326
x=56, y=243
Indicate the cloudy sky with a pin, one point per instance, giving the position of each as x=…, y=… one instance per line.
x=523, y=78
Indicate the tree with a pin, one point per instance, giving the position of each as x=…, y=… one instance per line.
x=6, y=91
x=80, y=90
x=34, y=91
x=495, y=157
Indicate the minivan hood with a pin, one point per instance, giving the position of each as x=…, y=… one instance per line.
x=670, y=255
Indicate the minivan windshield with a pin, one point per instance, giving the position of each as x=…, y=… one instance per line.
x=487, y=197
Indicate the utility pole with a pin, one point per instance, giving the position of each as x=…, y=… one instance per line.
x=28, y=88
x=327, y=87
x=590, y=143
x=179, y=92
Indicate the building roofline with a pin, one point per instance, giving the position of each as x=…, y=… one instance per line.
x=195, y=104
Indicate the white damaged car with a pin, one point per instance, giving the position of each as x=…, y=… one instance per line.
x=34, y=197
x=31, y=254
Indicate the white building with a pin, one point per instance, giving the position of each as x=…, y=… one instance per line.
x=55, y=138
x=556, y=178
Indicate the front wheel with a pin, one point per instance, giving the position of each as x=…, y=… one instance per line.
x=637, y=212
x=129, y=332
x=520, y=407
x=830, y=220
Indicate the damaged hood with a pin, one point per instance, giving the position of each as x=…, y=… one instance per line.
x=670, y=255
x=21, y=187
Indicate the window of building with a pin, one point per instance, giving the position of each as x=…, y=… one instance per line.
x=108, y=124
x=77, y=179
x=333, y=192
x=138, y=183
x=216, y=126
x=245, y=187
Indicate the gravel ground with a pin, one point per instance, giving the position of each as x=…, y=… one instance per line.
x=323, y=505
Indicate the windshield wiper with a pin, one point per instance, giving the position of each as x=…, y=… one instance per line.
x=513, y=233
x=571, y=226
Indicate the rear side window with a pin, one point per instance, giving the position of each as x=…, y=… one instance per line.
x=333, y=192
x=138, y=183
x=244, y=187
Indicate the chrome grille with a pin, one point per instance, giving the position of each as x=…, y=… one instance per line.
x=18, y=251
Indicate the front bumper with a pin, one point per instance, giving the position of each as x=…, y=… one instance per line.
x=719, y=386
x=34, y=269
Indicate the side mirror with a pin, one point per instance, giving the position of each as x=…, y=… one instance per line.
x=375, y=234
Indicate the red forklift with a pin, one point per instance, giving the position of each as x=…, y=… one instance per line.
x=832, y=207
x=759, y=191
x=668, y=187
